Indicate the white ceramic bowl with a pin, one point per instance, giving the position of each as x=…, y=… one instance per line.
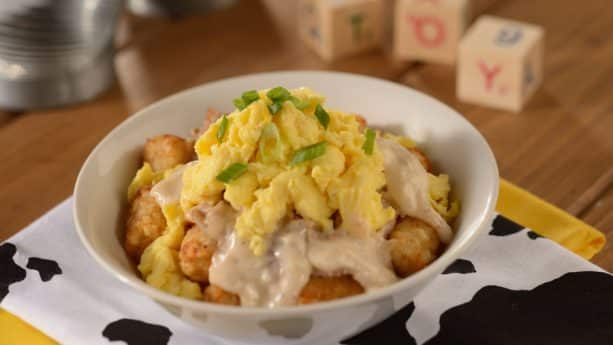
x=450, y=141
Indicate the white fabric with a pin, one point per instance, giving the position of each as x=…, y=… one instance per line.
x=74, y=308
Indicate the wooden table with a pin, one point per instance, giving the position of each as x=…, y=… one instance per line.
x=559, y=148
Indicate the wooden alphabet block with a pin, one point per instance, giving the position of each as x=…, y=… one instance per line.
x=500, y=63
x=430, y=30
x=339, y=28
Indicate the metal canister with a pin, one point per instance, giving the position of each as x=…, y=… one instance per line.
x=175, y=7
x=55, y=52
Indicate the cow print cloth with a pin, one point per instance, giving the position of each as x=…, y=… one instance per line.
x=46, y=268
x=511, y=287
x=10, y=273
x=136, y=332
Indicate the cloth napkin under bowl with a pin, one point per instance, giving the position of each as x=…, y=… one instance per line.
x=511, y=287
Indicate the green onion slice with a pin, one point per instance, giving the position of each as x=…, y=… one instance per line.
x=369, y=142
x=270, y=145
x=308, y=153
x=274, y=108
x=247, y=98
x=239, y=103
x=322, y=116
x=298, y=103
x=250, y=96
x=223, y=127
x=278, y=94
x=232, y=172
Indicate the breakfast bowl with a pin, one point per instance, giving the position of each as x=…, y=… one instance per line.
x=451, y=143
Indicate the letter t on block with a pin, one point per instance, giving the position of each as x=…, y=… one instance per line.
x=340, y=28
x=429, y=30
x=500, y=63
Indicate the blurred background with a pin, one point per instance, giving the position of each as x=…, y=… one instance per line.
x=71, y=70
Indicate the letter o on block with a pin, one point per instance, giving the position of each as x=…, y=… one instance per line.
x=429, y=30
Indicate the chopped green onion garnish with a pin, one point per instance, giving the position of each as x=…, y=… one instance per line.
x=278, y=94
x=221, y=131
x=308, y=153
x=232, y=172
x=369, y=143
x=274, y=108
x=298, y=103
x=250, y=96
x=239, y=103
x=270, y=146
x=247, y=98
x=322, y=116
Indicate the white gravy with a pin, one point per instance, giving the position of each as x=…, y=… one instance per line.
x=407, y=185
x=168, y=191
x=273, y=279
x=215, y=221
x=366, y=258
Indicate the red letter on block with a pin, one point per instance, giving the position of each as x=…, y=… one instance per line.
x=429, y=31
x=489, y=74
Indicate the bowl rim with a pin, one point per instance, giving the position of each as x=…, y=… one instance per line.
x=482, y=221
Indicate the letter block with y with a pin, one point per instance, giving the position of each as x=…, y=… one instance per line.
x=339, y=28
x=500, y=63
x=429, y=30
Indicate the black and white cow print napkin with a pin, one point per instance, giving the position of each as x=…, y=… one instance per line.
x=511, y=287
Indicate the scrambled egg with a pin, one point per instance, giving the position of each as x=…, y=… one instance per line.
x=159, y=264
x=343, y=179
x=439, y=197
x=145, y=176
x=357, y=197
x=239, y=145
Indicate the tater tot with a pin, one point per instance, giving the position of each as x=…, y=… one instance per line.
x=320, y=289
x=361, y=121
x=212, y=115
x=425, y=162
x=195, y=255
x=215, y=294
x=413, y=245
x=145, y=223
x=167, y=151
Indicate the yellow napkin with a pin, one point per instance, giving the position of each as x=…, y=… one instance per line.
x=549, y=221
x=514, y=203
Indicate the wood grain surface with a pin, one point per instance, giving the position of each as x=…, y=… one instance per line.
x=559, y=148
